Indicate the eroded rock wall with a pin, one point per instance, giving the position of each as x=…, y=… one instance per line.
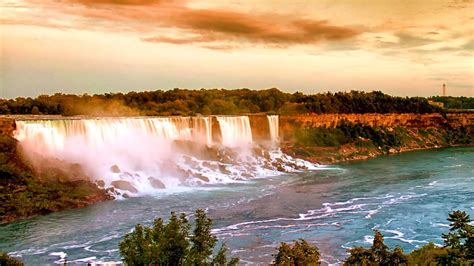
x=289, y=122
x=7, y=126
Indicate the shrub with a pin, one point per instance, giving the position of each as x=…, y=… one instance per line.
x=172, y=243
x=6, y=260
x=378, y=254
x=301, y=253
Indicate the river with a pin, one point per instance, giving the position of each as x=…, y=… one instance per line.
x=407, y=197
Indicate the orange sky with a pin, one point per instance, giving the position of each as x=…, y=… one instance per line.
x=75, y=46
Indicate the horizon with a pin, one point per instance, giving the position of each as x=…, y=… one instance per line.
x=108, y=46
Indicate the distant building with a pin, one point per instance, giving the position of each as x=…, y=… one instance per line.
x=444, y=89
x=439, y=104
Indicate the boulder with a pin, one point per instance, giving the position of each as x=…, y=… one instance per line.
x=115, y=169
x=202, y=177
x=156, y=183
x=100, y=183
x=124, y=185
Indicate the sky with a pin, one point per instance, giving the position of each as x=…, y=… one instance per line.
x=403, y=48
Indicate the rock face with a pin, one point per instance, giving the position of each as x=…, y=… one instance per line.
x=7, y=126
x=260, y=127
x=459, y=119
x=124, y=185
x=289, y=122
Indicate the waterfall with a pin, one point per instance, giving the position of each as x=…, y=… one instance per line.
x=273, y=126
x=202, y=130
x=139, y=155
x=235, y=130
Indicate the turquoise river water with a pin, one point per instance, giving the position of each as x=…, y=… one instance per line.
x=407, y=197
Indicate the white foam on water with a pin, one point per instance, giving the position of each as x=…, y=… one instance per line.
x=140, y=156
x=62, y=256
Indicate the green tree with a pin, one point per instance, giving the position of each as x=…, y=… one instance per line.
x=172, y=244
x=220, y=259
x=202, y=240
x=378, y=254
x=301, y=253
x=459, y=240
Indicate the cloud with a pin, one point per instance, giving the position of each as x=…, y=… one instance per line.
x=469, y=45
x=120, y=2
x=220, y=25
x=174, y=22
x=407, y=40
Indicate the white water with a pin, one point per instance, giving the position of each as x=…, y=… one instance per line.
x=274, y=126
x=235, y=130
x=175, y=152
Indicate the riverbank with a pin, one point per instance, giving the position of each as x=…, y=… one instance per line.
x=350, y=142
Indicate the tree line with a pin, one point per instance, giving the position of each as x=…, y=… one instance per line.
x=451, y=102
x=215, y=102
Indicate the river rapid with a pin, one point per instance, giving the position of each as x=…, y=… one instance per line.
x=407, y=197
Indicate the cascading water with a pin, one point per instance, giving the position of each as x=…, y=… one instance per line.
x=273, y=125
x=143, y=155
x=202, y=129
x=235, y=130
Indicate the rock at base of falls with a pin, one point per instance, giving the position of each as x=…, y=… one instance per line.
x=100, y=183
x=155, y=183
x=124, y=185
x=115, y=169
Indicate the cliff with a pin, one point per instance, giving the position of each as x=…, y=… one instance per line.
x=288, y=123
x=7, y=126
x=26, y=193
x=331, y=138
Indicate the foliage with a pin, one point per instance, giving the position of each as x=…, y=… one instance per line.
x=459, y=136
x=300, y=254
x=347, y=132
x=23, y=193
x=378, y=254
x=214, y=101
x=6, y=260
x=460, y=238
x=455, y=102
x=172, y=244
x=426, y=255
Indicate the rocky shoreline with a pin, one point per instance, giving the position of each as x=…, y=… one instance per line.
x=413, y=139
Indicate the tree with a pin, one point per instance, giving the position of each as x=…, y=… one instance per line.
x=301, y=253
x=460, y=239
x=6, y=260
x=172, y=244
x=35, y=110
x=202, y=240
x=379, y=249
x=221, y=260
x=378, y=254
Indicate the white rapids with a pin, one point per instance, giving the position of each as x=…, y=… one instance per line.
x=142, y=155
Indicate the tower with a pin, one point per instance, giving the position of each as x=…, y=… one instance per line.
x=444, y=89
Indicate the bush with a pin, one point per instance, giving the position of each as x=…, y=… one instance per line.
x=378, y=254
x=426, y=255
x=347, y=132
x=172, y=244
x=301, y=253
x=6, y=260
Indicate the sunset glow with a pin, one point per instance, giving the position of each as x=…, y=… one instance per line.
x=97, y=46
